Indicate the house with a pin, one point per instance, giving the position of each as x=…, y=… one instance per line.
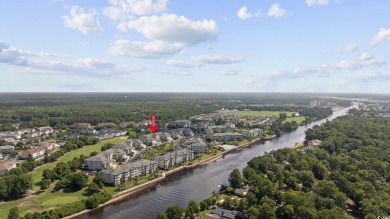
x=224, y=213
x=171, y=159
x=106, y=158
x=181, y=124
x=228, y=136
x=128, y=171
x=37, y=151
x=6, y=166
x=45, y=130
x=241, y=192
x=6, y=149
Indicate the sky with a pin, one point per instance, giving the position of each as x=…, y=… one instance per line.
x=331, y=46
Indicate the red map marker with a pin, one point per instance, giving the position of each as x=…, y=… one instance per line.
x=153, y=127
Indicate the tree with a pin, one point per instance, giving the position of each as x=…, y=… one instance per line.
x=203, y=205
x=13, y=213
x=161, y=216
x=93, y=153
x=49, y=174
x=235, y=178
x=78, y=181
x=266, y=211
x=319, y=171
x=98, y=180
x=44, y=183
x=194, y=205
x=93, y=188
x=175, y=212
x=133, y=135
x=62, y=170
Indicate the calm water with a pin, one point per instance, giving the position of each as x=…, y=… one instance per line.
x=197, y=183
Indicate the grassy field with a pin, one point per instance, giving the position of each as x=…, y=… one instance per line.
x=260, y=113
x=86, y=150
x=298, y=119
x=44, y=201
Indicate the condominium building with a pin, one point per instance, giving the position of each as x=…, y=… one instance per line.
x=128, y=171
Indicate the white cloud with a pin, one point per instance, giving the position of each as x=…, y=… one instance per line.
x=154, y=49
x=350, y=48
x=167, y=34
x=347, y=65
x=81, y=20
x=243, y=13
x=317, y=2
x=175, y=29
x=230, y=71
x=184, y=64
x=276, y=11
x=86, y=66
x=15, y=56
x=217, y=59
x=383, y=36
x=365, y=57
x=198, y=61
x=126, y=9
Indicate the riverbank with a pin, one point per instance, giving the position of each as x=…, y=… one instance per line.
x=124, y=194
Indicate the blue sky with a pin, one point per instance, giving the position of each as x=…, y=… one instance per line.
x=195, y=46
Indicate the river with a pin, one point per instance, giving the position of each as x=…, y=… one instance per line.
x=196, y=183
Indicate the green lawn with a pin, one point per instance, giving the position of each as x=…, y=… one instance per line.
x=298, y=119
x=86, y=150
x=261, y=113
x=45, y=200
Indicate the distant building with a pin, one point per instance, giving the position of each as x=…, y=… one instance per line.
x=6, y=166
x=106, y=124
x=252, y=133
x=196, y=145
x=228, y=136
x=314, y=103
x=228, y=214
x=37, y=151
x=128, y=171
x=203, y=125
x=6, y=149
x=219, y=129
x=173, y=158
x=33, y=134
x=45, y=130
x=82, y=125
x=105, y=158
x=128, y=145
x=88, y=131
x=181, y=124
